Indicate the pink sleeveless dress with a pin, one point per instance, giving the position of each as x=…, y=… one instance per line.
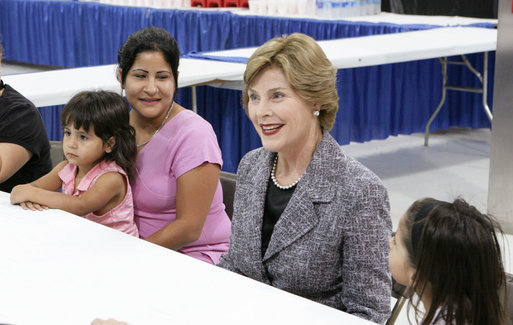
x=120, y=217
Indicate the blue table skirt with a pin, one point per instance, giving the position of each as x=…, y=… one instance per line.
x=376, y=102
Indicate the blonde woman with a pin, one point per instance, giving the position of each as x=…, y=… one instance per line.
x=307, y=219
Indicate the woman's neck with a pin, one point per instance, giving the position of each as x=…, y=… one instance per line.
x=145, y=124
x=150, y=125
x=292, y=164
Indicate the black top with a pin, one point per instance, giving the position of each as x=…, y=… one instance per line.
x=276, y=201
x=21, y=124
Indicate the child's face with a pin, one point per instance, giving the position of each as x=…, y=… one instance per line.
x=399, y=261
x=83, y=148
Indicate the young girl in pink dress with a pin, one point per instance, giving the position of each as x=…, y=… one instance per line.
x=449, y=256
x=99, y=146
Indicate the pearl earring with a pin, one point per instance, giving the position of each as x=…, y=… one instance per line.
x=316, y=113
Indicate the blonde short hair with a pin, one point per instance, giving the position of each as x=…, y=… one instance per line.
x=306, y=68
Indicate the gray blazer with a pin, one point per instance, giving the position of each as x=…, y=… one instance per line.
x=330, y=244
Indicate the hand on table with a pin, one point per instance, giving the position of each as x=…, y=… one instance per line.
x=21, y=193
x=109, y=321
x=33, y=206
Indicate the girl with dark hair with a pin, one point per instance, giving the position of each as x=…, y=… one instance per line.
x=178, y=198
x=99, y=146
x=449, y=256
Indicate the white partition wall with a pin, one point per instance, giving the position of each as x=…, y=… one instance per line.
x=500, y=188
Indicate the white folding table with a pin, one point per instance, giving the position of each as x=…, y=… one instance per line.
x=402, y=47
x=58, y=268
x=56, y=87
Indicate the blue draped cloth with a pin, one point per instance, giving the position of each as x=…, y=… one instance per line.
x=375, y=102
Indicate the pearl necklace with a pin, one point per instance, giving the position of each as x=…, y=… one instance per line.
x=276, y=182
x=160, y=127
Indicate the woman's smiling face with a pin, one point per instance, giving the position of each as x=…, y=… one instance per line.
x=284, y=121
x=150, y=85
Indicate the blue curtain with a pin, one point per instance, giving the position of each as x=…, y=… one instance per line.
x=375, y=102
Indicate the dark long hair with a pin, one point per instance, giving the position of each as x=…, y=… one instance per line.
x=108, y=114
x=458, y=260
x=149, y=39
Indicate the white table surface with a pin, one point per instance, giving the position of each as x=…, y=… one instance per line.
x=392, y=18
x=402, y=19
x=399, y=47
x=57, y=268
x=56, y=87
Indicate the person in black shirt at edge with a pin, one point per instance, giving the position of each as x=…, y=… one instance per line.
x=24, y=145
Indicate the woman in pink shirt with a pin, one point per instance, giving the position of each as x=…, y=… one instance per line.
x=177, y=194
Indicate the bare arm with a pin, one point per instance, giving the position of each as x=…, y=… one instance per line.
x=109, y=188
x=194, y=195
x=50, y=182
x=12, y=158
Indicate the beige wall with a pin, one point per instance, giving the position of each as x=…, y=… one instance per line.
x=500, y=188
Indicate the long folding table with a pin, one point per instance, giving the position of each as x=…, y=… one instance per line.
x=373, y=50
x=58, y=268
x=56, y=87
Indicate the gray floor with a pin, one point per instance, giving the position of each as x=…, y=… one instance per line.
x=456, y=163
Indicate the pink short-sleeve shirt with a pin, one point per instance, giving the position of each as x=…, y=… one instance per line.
x=184, y=143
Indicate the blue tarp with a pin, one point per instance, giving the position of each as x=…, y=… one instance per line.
x=375, y=102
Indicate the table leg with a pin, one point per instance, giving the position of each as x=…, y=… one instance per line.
x=485, y=88
x=194, y=99
x=482, y=90
x=443, y=62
